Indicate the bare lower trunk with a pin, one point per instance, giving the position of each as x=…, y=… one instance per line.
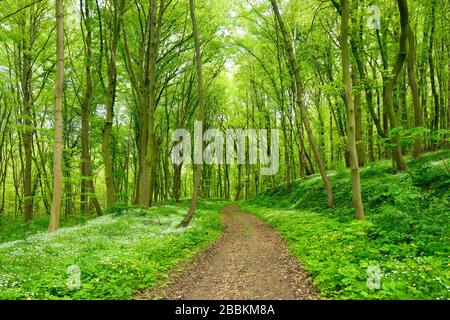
x=107, y=157
x=27, y=177
x=432, y=68
x=201, y=114
x=115, y=10
x=87, y=184
x=414, y=91
x=389, y=88
x=58, y=175
x=176, y=182
x=351, y=127
x=239, y=184
x=27, y=137
x=358, y=124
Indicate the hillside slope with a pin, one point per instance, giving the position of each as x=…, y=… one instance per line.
x=405, y=236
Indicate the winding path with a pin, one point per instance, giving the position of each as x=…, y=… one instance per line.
x=250, y=262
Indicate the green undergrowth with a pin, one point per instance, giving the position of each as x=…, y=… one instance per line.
x=12, y=229
x=118, y=254
x=405, y=234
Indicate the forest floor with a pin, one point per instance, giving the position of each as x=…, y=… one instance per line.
x=250, y=262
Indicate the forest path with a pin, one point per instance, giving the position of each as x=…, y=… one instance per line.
x=249, y=262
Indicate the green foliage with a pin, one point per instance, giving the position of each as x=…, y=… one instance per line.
x=406, y=233
x=117, y=254
x=13, y=229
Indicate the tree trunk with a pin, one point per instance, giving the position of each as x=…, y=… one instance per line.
x=27, y=137
x=116, y=9
x=358, y=122
x=58, y=179
x=448, y=101
x=356, y=184
x=239, y=184
x=177, y=182
x=87, y=183
x=432, y=68
x=201, y=114
x=414, y=91
x=389, y=87
x=107, y=157
x=147, y=146
x=296, y=77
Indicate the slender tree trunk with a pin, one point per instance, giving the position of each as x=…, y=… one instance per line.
x=201, y=114
x=58, y=178
x=151, y=160
x=177, y=182
x=107, y=156
x=116, y=9
x=283, y=111
x=370, y=140
x=356, y=184
x=389, y=87
x=448, y=100
x=87, y=183
x=239, y=184
x=27, y=137
x=414, y=91
x=296, y=76
x=432, y=67
x=358, y=122
x=367, y=87
x=382, y=43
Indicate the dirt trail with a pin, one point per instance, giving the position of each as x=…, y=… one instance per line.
x=249, y=262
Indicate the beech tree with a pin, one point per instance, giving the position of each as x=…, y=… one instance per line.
x=298, y=91
x=351, y=123
x=57, y=169
x=201, y=115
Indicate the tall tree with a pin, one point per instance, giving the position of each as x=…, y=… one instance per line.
x=143, y=78
x=300, y=103
x=389, y=86
x=88, y=195
x=115, y=10
x=351, y=123
x=57, y=166
x=414, y=90
x=201, y=115
x=431, y=62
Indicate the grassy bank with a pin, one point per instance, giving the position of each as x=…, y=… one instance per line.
x=118, y=254
x=406, y=233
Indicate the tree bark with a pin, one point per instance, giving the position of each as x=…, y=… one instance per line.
x=389, y=86
x=358, y=122
x=432, y=67
x=414, y=91
x=351, y=123
x=27, y=133
x=148, y=164
x=57, y=166
x=296, y=77
x=115, y=15
x=201, y=113
x=87, y=184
